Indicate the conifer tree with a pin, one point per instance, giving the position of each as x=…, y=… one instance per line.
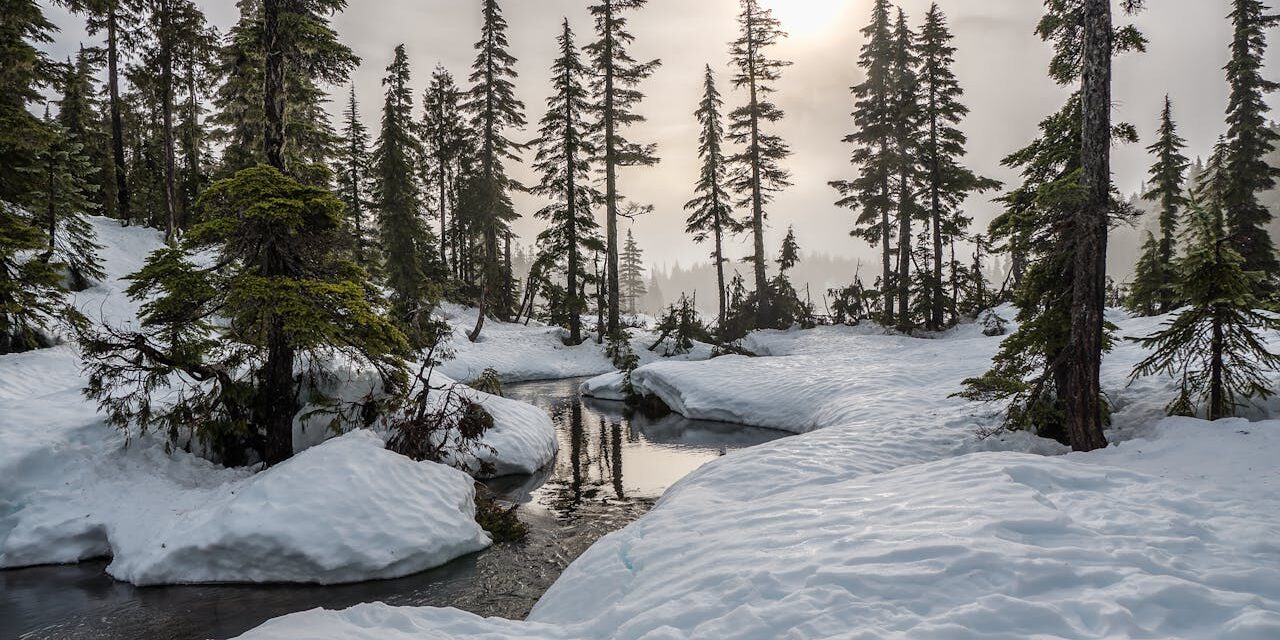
x=493, y=109
x=443, y=135
x=1152, y=281
x=119, y=19
x=1167, y=186
x=870, y=192
x=757, y=169
x=564, y=153
x=632, y=274
x=31, y=295
x=907, y=123
x=617, y=76
x=354, y=173
x=78, y=115
x=1249, y=140
x=26, y=69
x=789, y=255
x=948, y=183
x=408, y=249
x=711, y=209
x=1215, y=347
x=66, y=194
x=227, y=337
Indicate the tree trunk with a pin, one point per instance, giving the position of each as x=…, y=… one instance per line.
x=117, y=120
x=935, y=204
x=1218, y=408
x=166, y=114
x=757, y=195
x=1084, y=350
x=904, y=255
x=886, y=252
x=273, y=83
x=724, y=308
x=611, y=174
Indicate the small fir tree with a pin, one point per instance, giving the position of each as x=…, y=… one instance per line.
x=632, y=274
x=1167, y=186
x=354, y=174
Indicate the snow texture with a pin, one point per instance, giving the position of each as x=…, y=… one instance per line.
x=890, y=518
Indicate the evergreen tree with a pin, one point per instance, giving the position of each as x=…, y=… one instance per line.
x=758, y=173
x=948, y=183
x=119, y=19
x=354, y=173
x=493, y=108
x=1249, y=140
x=617, y=75
x=564, y=153
x=789, y=256
x=907, y=124
x=408, y=248
x=711, y=209
x=78, y=115
x=873, y=117
x=444, y=137
x=632, y=274
x=25, y=69
x=1215, y=346
x=1152, y=282
x=227, y=337
x=64, y=197
x=1167, y=180
x=31, y=293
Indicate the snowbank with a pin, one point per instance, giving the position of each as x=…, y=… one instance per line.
x=607, y=386
x=522, y=440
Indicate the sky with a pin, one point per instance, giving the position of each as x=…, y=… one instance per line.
x=1000, y=63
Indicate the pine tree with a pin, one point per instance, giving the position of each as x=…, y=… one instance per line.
x=907, y=124
x=789, y=255
x=444, y=137
x=1215, y=346
x=408, y=249
x=64, y=197
x=493, y=108
x=227, y=337
x=1152, y=280
x=25, y=70
x=711, y=209
x=78, y=115
x=564, y=153
x=31, y=295
x=632, y=270
x=873, y=117
x=617, y=76
x=1167, y=184
x=758, y=174
x=1249, y=141
x=948, y=183
x=354, y=169
x=119, y=19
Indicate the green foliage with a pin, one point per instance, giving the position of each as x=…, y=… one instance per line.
x=197, y=367
x=24, y=69
x=1215, y=347
x=1153, y=281
x=64, y=196
x=1167, y=178
x=354, y=172
x=631, y=274
x=32, y=298
x=490, y=382
x=678, y=329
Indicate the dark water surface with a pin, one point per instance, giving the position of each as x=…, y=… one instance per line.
x=610, y=469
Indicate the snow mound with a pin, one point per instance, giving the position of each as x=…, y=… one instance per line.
x=1169, y=537
x=522, y=440
x=605, y=387
x=345, y=511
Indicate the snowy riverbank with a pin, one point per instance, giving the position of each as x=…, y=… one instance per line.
x=891, y=518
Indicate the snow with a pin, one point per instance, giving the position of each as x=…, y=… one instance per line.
x=345, y=510
x=890, y=518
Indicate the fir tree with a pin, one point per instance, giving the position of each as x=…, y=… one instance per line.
x=758, y=173
x=617, y=76
x=1249, y=140
x=227, y=337
x=444, y=137
x=907, y=123
x=1152, y=280
x=870, y=193
x=789, y=255
x=31, y=295
x=564, y=152
x=354, y=173
x=494, y=109
x=407, y=246
x=65, y=196
x=631, y=274
x=711, y=209
x=78, y=111
x=948, y=183
x=1167, y=180
x=1215, y=346
x=25, y=70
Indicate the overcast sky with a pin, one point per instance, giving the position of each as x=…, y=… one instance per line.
x=1000, y=63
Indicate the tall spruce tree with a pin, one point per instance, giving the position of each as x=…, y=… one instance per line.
x=947, y=182
x=408, y=249
x=443, y=135
x=79, y=116
x=617, y=76
x=757, y=169
x=564, y=152
x=66, y=195
x=905, y=155
x=711, y=210
x=354, y=173
x=1215, y=347
x=631, y=274
x=492, y=105
x=1249, y=140
x=1152, y=281
x=26, y=69
x=873, y=118
x=119, y=19
x=1168, y=176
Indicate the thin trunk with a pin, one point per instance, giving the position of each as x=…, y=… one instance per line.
x=935, y=204
x=611, y=173
x=757, y=195
x=444, y=227
x=117, y=120
x=166, y=114
x=273, y=83
x=1084, y=351
x=904, y=254
x=1217, y=395
x=570, y=154
x=724, y=308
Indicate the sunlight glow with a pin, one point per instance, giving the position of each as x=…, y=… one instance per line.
x=806, y=18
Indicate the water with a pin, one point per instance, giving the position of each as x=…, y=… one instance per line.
x=610, y=469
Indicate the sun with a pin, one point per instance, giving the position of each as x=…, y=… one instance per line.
x=806, y=17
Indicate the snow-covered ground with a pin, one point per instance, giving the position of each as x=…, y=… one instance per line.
x=890, y=518
x=74, y=488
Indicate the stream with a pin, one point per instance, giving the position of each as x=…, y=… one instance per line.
x=610, y=470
